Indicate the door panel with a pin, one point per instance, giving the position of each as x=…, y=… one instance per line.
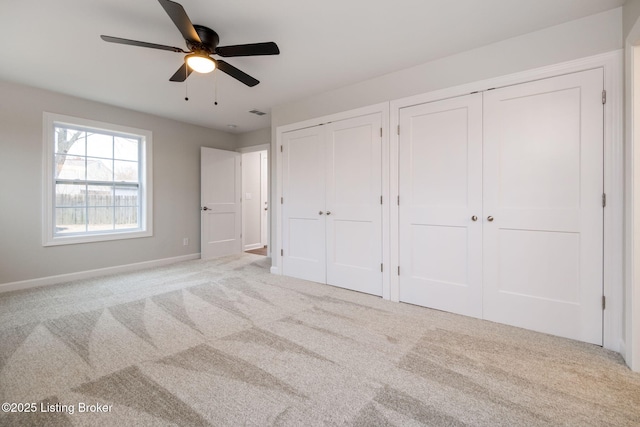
x=440, y=164
x=354, y=211
x=303, y=231
x=221, y=221
x=543, y=172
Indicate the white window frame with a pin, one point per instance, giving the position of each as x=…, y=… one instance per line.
x=49, y=238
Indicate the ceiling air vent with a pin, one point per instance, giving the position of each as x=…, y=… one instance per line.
x=257, y=112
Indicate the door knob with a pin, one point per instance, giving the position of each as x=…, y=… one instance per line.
x=206, y=209
x=474, y=218
x=328, y=212
x=490, y=218
x=320, y=213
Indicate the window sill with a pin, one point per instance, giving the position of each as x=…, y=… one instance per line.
x=97, y=237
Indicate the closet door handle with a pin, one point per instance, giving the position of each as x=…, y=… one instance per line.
x=320, y=213
x=474, y=218
x=328, y=212
x=490, y=218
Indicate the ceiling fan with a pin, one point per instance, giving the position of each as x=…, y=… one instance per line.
x=202, y=42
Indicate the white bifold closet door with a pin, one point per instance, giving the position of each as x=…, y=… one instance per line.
x=332, y=212
x=440, y=180
x=501, y=211
x=303, y=190
x=543, y=186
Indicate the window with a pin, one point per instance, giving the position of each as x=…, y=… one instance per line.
x=97, y=181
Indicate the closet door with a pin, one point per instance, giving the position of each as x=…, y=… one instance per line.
x=303, y=228
x=543, y=184
x=440, y=230
x=353, y=209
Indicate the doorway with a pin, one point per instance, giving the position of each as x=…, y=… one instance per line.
x=255, y=202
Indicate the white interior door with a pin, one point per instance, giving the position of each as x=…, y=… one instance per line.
x=221, y=210
x=543, y=184
x=440, y=188
x=303, y=190
x=353, y=204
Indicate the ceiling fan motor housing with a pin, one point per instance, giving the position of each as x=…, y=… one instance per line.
x=209, y=40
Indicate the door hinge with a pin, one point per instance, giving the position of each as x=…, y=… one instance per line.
x=398, y=130
x=398, y=200
x=281, y=200
x=604, y=96
x=604, y=199
x=281, y=148
x=398, y=270
x=604, y=302
x=381, y=268
x=380, y=199
x=281, y=252
x=380, y=132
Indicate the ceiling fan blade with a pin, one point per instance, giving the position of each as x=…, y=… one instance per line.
x=181, y=20
x=182, y=73
x=237, y=74
x=141, y=44
x=252, y=49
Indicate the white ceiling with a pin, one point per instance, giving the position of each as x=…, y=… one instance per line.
x=324, y=45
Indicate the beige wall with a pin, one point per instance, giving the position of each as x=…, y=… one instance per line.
x=176, y=185
x=630, y=15
x=258, y=137
x=576, y=39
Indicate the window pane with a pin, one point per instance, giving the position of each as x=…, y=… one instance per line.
x=69, y=167
x=70, y=220
x=125, y=148
x=126, y=196
x=70, y=195
x=99, y=145
x=68, y=141
x=126, y=217
x=100, y=195
x=99, y=169
x=96, y=176
x=125, y=171
x=100, y=219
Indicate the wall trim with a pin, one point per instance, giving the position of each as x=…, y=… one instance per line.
x=252, y=148
x=88, y=274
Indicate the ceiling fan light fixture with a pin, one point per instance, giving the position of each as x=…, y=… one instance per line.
x=200, y=63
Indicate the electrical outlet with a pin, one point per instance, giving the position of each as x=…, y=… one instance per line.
x=185, y=241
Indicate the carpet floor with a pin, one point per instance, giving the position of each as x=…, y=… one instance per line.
x=226, y=343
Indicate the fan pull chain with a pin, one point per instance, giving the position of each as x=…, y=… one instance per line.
x=215, y=82
x=186, y=84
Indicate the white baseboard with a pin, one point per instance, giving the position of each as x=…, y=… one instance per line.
x=87, y=274
x=274, y=269
x=253, y=246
